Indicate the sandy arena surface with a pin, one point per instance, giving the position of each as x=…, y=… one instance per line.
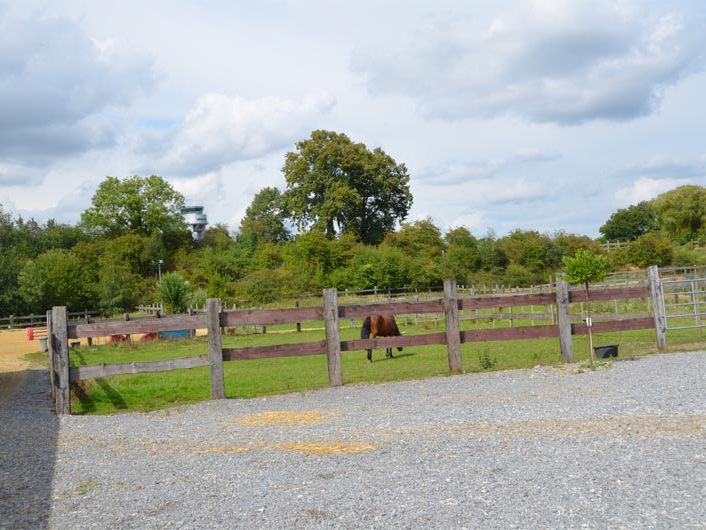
x=13, y=347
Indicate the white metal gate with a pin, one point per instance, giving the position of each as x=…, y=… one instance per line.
x=684, y=303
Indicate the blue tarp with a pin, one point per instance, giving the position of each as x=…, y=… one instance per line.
x=175, y=334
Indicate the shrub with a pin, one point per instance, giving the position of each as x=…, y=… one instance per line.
x=174, y=292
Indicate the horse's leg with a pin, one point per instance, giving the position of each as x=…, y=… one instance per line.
x=370, y=356
x=389, y=353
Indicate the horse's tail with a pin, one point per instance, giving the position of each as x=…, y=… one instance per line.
x=365, y=330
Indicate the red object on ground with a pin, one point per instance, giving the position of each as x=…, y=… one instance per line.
x=149, y=336
x=30, y=333
x=114, y=339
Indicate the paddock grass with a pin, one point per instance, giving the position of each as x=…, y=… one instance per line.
x=262, y=377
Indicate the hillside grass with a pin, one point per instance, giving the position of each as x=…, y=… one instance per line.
x=262, y=377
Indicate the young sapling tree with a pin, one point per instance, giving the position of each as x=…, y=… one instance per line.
x=585, y=267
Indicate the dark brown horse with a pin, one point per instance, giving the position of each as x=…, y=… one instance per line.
x=380, y=326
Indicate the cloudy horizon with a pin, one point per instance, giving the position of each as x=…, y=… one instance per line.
x=546, y=115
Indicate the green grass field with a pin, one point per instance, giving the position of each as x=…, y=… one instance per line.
x=261, y=377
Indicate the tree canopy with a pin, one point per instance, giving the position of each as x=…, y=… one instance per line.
x=137, y=205
x=682, y=213
x=337, y=186
x=265, y=218
x=630, y=223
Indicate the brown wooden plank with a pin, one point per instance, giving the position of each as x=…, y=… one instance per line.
x=50, y=352
x=453, y=338
x=618, y=325
x=394, y=342
x=526, y=332
x=147, y=325
x=277, y=350
x=271, y=316
x=215, y=350
x=60, y=350
x=333, y=337
x=563, y=318
x=79, y=373
x=507, y=301
x=659, y=311
x=619, y=293
x=393, y=308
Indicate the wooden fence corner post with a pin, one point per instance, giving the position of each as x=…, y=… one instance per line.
x=658, y=309
x=50, y=352
x=563, y=319
x=453, y=336
x=333, y=339
x=60, y=351
x=215, y=349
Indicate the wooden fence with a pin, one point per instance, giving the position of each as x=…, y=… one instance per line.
x=31, y=320
x=214, y=320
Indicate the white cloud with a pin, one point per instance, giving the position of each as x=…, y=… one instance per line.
x=560, y=61
x=644, y=189
x=493, y=191
x=52, y=72
x=199, y=189
x=456, y=173
x=531, y=154
x=664, y=167
x=55, y=81
x=222, y=129
x=12, y=174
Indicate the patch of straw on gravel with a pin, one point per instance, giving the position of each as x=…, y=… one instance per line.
x=321, y=449
x=282, y=418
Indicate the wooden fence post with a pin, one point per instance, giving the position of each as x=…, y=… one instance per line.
x=50, y=351
x=658, y=310
x=299, y=324
x=190, y=312
x=563, y=319
x=453, y=337
x=127, y=319
x=215, y=350
x=60, y=351
x=333, y=339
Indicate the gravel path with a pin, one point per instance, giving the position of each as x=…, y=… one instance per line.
x=621, y=447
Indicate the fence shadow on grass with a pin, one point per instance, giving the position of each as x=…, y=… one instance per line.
x=28, y=438
x=110, y=393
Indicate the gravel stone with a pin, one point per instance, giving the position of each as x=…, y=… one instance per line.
x=620, y=447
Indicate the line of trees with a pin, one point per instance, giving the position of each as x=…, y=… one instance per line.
x=339, y=222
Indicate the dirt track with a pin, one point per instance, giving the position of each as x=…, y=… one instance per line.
x=13, y=347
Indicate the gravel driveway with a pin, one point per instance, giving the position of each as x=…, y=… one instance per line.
x=621, y=447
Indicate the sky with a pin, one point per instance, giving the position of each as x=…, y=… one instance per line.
x=545, y=115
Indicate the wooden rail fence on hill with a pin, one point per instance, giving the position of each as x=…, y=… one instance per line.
x=214, y=320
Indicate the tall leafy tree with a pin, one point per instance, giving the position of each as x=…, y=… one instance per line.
x=421, y=238
x=528, y=248
x=338, y=186
x=265, y=218
x=138, y=205
x=53, y=278
x=682, y=213
x=630, y=223
x=117, y=288
x=461, y=256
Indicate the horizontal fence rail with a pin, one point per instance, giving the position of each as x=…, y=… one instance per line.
x=78, y=373
x=25, y=321
x=450, y=305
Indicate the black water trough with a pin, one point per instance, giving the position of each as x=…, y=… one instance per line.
x=603, y=352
